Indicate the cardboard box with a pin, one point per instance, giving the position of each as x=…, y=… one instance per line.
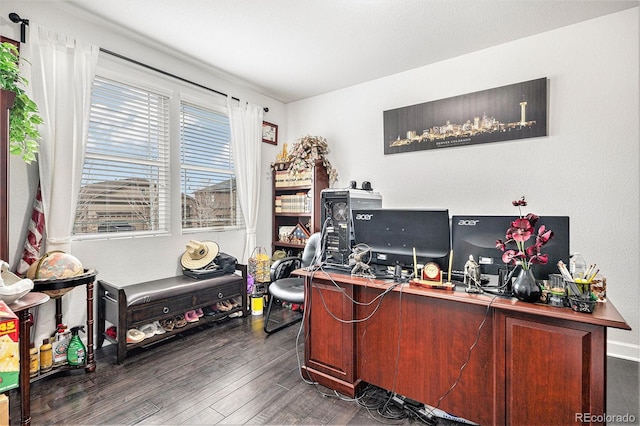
x=9, y=349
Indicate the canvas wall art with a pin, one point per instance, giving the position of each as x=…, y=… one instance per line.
x=516, y=111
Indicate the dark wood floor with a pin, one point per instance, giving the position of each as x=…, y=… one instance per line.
x=226, y=373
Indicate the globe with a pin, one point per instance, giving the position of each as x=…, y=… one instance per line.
x=55, y=265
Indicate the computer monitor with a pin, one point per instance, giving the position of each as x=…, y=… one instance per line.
x=392, y=234
x=477, y=235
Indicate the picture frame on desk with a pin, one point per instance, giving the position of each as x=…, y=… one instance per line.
x=269, y=133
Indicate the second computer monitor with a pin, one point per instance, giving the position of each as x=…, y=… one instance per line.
x=477, y=235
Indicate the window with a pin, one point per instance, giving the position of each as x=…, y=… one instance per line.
x=207, y=179
x=125, y=180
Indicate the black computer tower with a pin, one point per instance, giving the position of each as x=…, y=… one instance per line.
x=337, y=205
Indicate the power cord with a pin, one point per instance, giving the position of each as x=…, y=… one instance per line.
x=466, y=362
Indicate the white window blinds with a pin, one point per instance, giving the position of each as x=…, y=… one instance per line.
x=207, y=179
x=125, y=180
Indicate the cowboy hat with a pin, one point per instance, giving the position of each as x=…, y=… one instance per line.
x=199, y=254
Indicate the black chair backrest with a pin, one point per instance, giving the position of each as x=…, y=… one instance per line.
x=284, y=267
x=311, y=249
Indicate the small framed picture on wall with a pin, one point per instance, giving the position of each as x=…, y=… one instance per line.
x=270, y=133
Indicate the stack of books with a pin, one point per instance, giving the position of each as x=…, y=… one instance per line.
x=293, y=203
x=284, y=178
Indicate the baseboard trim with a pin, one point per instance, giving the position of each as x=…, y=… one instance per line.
x=623, y=350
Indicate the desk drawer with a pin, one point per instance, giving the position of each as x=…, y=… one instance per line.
x=160, y=309
x=218, y=293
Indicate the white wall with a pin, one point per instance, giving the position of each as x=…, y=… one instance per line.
x=587, y=168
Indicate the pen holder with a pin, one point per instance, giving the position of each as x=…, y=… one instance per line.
x=580, y=298
x=581, y=304
x=578, y=289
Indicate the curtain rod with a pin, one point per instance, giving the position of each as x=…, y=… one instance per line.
x=117, y=55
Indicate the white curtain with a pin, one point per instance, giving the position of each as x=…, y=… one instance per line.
x=61, y=75
x=60, y=72
x=246, y=138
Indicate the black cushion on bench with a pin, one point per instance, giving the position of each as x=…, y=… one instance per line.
x=150, y=291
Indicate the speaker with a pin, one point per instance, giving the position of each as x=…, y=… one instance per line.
x=337, y=205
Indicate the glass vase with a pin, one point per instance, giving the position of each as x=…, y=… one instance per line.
x=525, y=287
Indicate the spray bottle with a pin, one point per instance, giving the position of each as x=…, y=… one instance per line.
x=77, y=350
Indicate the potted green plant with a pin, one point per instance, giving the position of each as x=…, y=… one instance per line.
x=23, y=116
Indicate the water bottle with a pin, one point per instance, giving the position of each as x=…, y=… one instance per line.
x=577, y=266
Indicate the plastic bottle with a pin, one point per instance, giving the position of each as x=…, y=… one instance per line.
x=76, y=351
x=33, y=360
x=46, y=356
x=61, y=345
x=257, y=302
x=577, y=265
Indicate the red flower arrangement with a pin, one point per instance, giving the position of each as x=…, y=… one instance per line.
x=521, y=231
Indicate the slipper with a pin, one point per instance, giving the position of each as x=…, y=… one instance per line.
x=149, y=330
x=159, y=329
x=199, y=312
x=211, y=311
x=191, y=316
x=223, y=306
x=167, y=324
x=179, y=321
x=112, y=332
x=235, y=314
x=135, y=336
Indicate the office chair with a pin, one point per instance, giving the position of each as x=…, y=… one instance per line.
x=286, y=288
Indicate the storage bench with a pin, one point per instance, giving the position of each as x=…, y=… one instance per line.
x=135, y=305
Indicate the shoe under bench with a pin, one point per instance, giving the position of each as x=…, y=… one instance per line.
x=135, y=305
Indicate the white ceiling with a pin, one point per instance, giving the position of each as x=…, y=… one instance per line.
x=295, y=49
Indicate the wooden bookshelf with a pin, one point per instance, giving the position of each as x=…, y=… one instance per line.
x=296, y=202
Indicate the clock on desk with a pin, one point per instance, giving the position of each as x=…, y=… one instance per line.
x=431, y=272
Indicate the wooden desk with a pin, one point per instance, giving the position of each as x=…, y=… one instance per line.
x=21, y=308
x=530, y=363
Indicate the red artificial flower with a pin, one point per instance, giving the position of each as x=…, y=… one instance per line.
x=533, y=250
x=520, y=231
x=540, y=259
x=543, y=235
x=512, y=256
x=520, y=202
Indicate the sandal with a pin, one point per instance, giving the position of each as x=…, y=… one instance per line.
x=191, y=316
x=149, y=330
x=179, y=321
x=159, y=329
x=135, y=336
x=211, y=311
x=167, y=324
x=224, y=306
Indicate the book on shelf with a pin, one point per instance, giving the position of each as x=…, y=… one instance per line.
x=284, y=178
x=293, y=203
